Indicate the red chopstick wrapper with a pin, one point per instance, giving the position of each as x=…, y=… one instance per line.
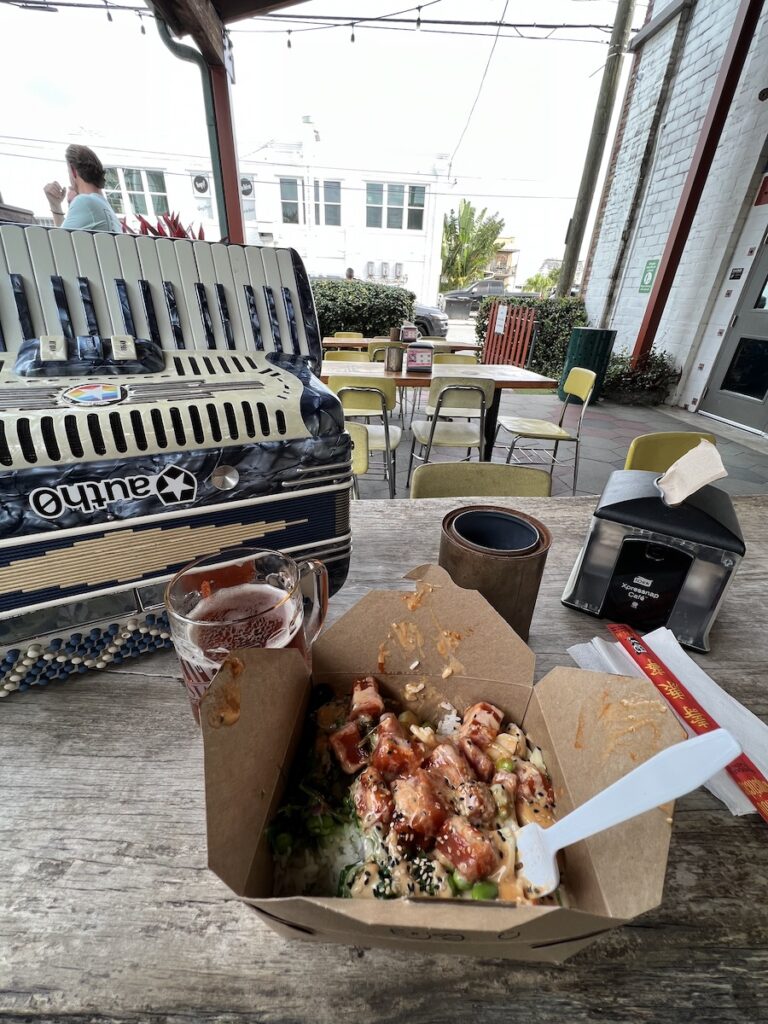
x=743, y=771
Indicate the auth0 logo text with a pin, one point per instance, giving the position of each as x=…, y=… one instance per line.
x=172, y=487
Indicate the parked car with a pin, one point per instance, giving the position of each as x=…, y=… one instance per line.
x=431, y=321
x=462, y=302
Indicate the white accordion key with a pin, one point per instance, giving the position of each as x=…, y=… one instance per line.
x=53, y=348
x=123, y=347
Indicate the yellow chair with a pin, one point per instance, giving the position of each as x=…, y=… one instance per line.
x=452, y=397
x=479, y=479
x=346, y=357
x=656, y=452
x=372, y=397
x=347, y=334
x=360, y=460
x=454, y=358
x=579, y=384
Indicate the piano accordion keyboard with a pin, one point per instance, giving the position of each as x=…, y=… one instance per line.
x=182, y=294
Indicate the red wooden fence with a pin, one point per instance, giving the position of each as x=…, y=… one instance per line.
x=511, y=345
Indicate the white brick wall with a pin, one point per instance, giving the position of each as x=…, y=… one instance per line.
x=726, y=198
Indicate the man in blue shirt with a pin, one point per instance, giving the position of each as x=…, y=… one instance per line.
x=88, y=207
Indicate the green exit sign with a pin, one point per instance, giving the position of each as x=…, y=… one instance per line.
x=646, y=281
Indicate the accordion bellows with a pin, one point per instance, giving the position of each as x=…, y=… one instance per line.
x=157, y=403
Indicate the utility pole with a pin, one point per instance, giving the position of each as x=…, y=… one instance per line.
x=600, y=125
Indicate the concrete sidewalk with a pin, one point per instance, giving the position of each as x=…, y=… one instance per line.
x=608, y=430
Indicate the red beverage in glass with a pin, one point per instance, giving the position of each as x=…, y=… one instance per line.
x=249, y=599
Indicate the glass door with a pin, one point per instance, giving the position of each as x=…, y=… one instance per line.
x=738, y=387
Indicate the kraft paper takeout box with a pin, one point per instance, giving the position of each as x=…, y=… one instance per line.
x=592, y=729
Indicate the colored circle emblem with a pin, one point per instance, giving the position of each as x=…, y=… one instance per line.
x=94, y=394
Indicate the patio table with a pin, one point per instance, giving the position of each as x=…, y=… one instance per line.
x=505, y=377
x=439, y=345
x=109, y=914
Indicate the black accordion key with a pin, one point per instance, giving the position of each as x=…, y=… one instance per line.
x=125, y=306
x=205, y=314
x=224, y=313
x=269, y=295
x=253, y=315
x=22, y=306
x=290, y=313
x=88, y=307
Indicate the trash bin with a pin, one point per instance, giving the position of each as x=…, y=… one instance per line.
x=590, y=348
x=457, y=309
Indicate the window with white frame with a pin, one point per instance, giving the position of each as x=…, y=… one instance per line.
x=394, y=206
x=113, y=189
x=292, y=200
x=247, y=198
x=327, y=195
x=134, y=190
x=416, y=197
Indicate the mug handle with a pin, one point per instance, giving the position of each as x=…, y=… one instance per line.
x=313, y=622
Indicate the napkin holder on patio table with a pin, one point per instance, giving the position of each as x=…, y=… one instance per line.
x=649, y=564
x=419, y=357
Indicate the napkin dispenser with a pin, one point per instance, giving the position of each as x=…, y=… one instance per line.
x=419, y=357
x=649, y=564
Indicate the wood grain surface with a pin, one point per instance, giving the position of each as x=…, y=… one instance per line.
x=504, y=376
x=356, y=344
x=108, y=912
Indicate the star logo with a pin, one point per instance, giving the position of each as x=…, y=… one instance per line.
x=94, y=394
x=175, y=485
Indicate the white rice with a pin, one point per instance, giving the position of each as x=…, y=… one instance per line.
x=449, y=724
x=316, y=872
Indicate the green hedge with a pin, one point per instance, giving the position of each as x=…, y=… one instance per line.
x=358, y=306
x=555, y=319
x=647, y=386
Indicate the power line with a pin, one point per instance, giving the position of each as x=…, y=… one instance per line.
x=464, y=23
x=54, y=6
x=479, y=90
x=426, y=32
x=321, y=21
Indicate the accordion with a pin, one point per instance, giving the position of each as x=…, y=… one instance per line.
x=157, y=403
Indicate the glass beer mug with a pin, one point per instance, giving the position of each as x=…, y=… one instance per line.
x=246, y=597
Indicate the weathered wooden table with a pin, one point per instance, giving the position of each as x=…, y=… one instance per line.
x=108, y=912
x=356, y=344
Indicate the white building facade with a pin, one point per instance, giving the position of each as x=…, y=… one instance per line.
x=386, y=226
x=720, y=285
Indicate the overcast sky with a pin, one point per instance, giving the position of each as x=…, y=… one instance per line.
x=396, y=97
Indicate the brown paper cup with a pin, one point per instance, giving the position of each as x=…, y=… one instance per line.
x=500, y=553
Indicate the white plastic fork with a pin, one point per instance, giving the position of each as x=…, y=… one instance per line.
x=666, y=776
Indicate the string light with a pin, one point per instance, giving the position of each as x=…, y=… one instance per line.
x=289, y=39
x=109, y=13
x=418, y=18
x=143, y=30
x=352, y=37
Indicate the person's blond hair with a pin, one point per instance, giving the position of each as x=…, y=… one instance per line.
x=87, y=165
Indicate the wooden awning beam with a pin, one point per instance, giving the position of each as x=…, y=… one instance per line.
x=205, y=21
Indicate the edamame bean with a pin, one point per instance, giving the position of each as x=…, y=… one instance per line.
x=505, y=764
x=485, y=891
x=460, y=882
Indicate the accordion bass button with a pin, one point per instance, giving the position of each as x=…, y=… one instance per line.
x=225, y=478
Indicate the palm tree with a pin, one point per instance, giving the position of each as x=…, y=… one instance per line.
x=542, y=283
x=469, y=242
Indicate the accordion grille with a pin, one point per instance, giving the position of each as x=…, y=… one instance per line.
x=60, y=438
